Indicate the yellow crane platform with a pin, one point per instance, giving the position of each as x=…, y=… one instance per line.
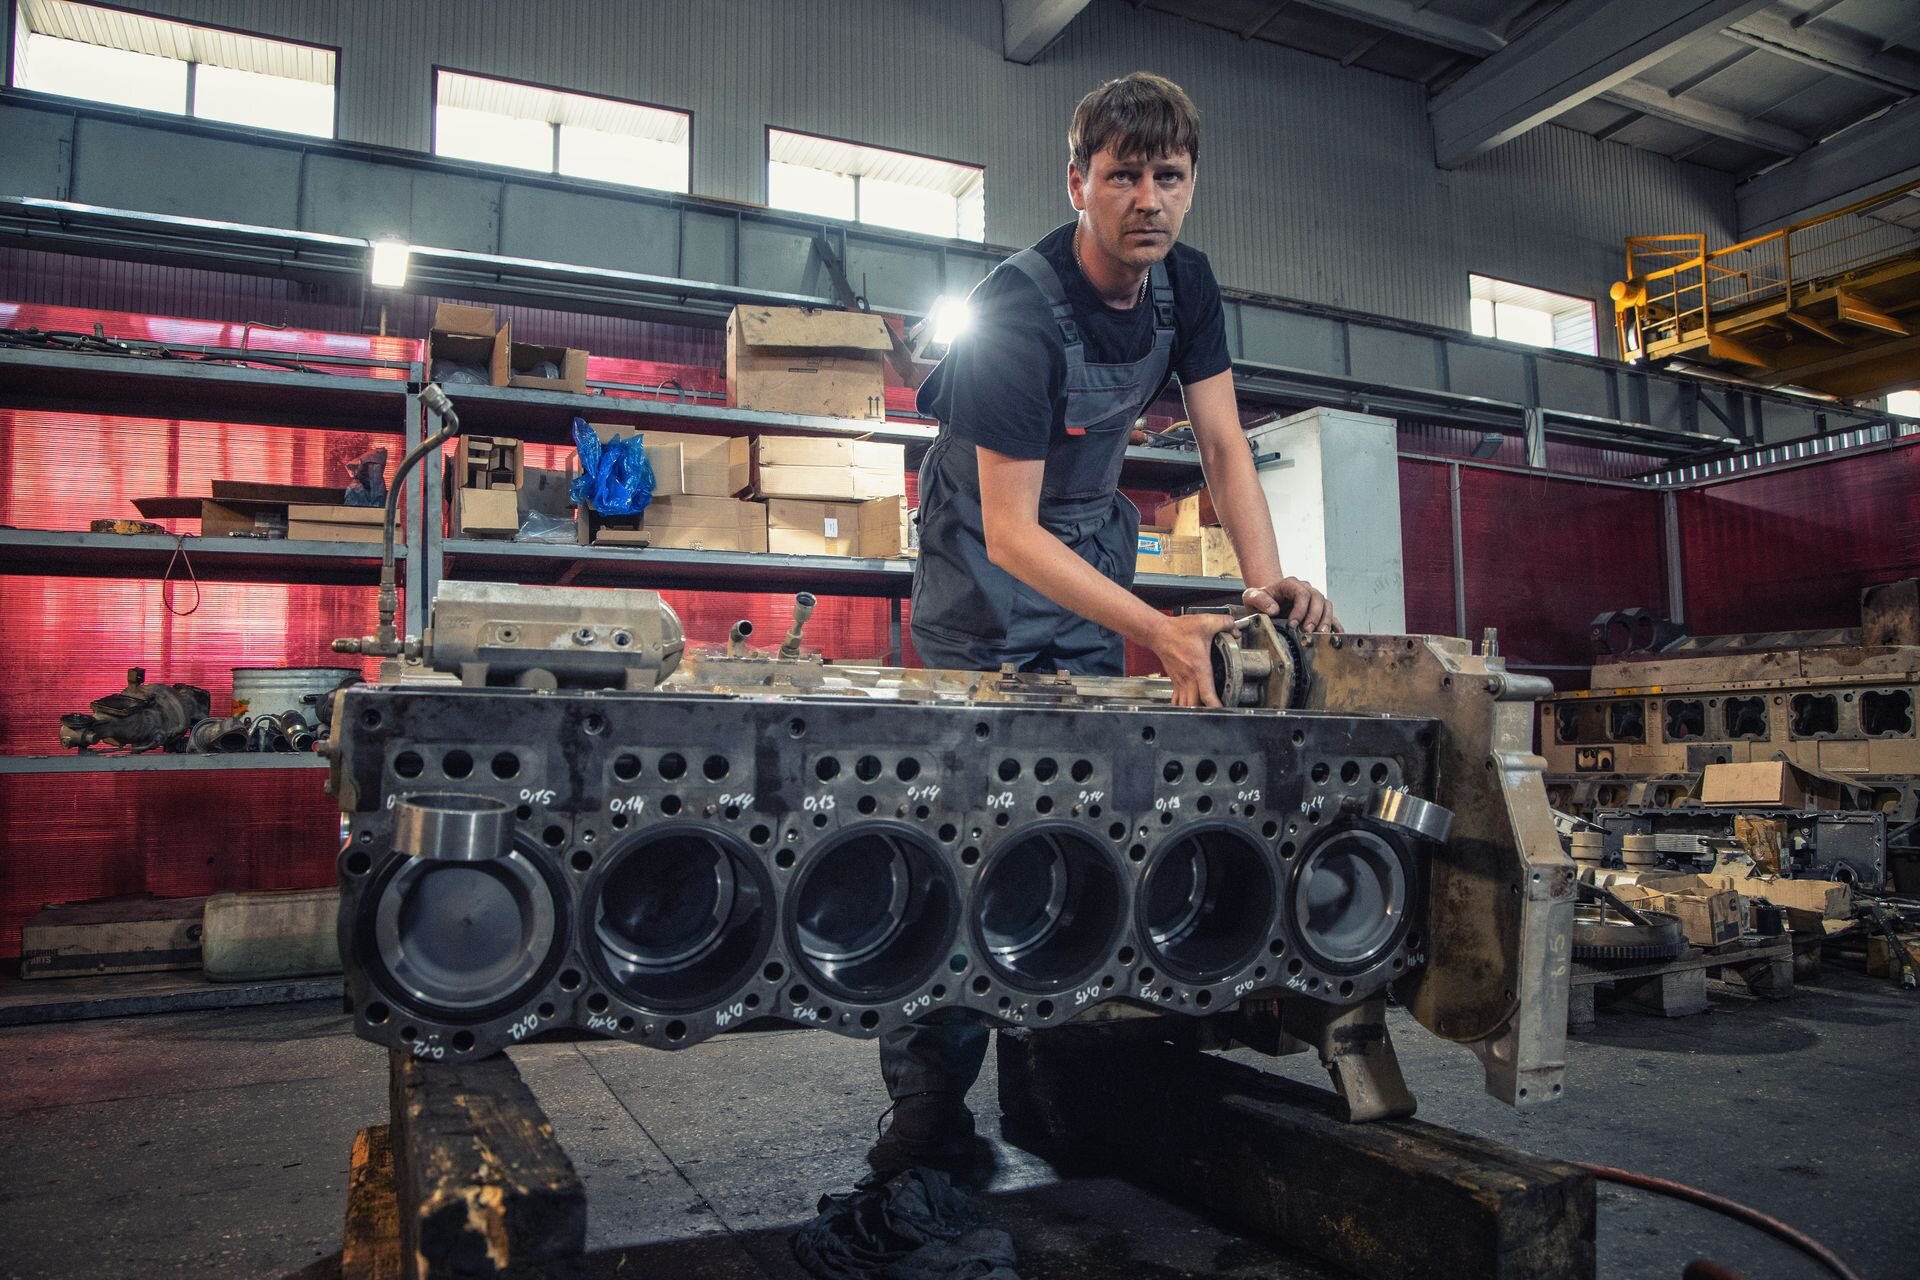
x=1831, y=304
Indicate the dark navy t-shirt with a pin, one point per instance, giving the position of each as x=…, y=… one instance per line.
x=1003, y=385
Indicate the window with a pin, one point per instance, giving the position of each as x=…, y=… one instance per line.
x=1906, y=403
x=133, y=60
x=1516, y=313
x=831, y=179
x=547, y=131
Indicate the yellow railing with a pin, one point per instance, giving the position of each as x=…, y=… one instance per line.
x=1677, y=290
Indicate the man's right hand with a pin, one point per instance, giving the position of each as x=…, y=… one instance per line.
x=1184, y=646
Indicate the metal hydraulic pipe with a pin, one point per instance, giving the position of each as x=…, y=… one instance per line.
x=737, y=638
x=802, y=610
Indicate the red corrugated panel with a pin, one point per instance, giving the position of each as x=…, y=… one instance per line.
x=1426, y=547
x=1792, y=549
x=1544, y=555
x=71, y=837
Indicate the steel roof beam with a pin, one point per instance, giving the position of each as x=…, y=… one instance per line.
x=1892, y=70
x=1572, y=55
x=1029, y=26
x=1708, y=118
x=1402, y=19
x=1876, y=155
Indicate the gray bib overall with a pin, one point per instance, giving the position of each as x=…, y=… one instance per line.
x=968, y=613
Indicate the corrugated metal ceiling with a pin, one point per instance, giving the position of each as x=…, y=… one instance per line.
x=873, y=162
x=1809, y=67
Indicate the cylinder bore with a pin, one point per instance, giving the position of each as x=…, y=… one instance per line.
x=681, y=916
x=1048, y=908
x=1206, y=905
x=464, y=940
x=1351, y=899
x=872, y=912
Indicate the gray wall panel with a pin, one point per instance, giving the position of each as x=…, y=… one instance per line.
x=1489, y=372
x=206, y=177
x=349, y=198
x=1578, y=388
x=455, y=212
x=1393, y=357
x=1663, y=402
x=33, y=152
x=706, y=247
x=565, y=226
x=1317, y=181
x=1292, y=340
x=891, y=276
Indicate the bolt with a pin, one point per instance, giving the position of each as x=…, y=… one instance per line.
x=584, y=635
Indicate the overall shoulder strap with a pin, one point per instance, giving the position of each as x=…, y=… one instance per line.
x=1162, y=298
x=1037, y=269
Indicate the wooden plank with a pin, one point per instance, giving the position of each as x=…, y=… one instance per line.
x=112, y=935
x=1390, y=1199
x=370, y=1246
x=483, y=1186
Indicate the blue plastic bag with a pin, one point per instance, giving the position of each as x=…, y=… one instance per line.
x=615, y=478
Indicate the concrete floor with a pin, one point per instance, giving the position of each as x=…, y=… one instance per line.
x=215, y=1144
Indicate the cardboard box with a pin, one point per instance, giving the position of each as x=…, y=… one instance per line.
x=692, y=523
x=1778, y=784
x=335, y=524
x=873, y=528
x=217, y=520
x=1708, y=916
x=692, y=465
x=1168, y=553
x=523, y=357
x=465, y=335
x=487, y=462
x=484, y=513
x=1217, y=557
x=1807, y=903
x=1185, y=516
x=797, y=360
x=595, y=530
x=828, y=469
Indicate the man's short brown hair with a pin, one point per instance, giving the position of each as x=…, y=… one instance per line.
x=1139, y=116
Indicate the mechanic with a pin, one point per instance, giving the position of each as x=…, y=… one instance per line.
x=1027, y=545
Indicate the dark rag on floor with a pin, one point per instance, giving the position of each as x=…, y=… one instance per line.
x=915, y=1226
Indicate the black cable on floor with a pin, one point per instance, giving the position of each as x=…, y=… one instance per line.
x=1731, y=1208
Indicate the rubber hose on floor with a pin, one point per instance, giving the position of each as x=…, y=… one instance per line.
x=1731, y=1208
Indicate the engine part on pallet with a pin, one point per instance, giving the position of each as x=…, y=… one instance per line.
x=1607, y=930
x=856, y=847
x=1843, y=702
x=1819, y=844
x=1619, y=632
x=141, y=717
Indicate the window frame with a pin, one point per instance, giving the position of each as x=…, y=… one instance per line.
x=433, y=128
x=1593, y=313
x=766, y=181
x=14, y=34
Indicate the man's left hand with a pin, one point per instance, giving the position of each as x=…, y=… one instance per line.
x=1306, y=607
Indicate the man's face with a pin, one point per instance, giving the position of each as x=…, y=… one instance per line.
x=1134, y=206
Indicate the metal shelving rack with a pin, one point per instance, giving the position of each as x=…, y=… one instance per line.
x=209, y=390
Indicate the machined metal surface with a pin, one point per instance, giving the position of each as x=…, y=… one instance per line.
x=678, y=863
x=857, y=847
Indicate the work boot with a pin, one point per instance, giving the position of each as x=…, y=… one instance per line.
x=931, y=1131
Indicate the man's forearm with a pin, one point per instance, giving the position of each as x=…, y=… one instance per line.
x=1242, y=507
x=1050, y=567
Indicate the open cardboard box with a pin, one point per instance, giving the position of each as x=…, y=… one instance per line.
x=464, y=335
x=798, y=360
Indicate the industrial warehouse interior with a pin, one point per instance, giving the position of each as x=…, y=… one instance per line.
x=960, y=639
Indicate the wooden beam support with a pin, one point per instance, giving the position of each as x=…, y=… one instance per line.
x=1390, y=1199
x=483, y=1186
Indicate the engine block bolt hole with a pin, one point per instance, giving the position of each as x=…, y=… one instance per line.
x=594, y=725
x=581, y=860
x=358, y=863
x=1044, y=769
x=408, y=764
x=1082, y=770
x=672, y=766
x=715, y=768
x=505, y=765
x=1009, y=770
x=1173, y=771
x=827, y=768
x=907, y=770
x=867, y=768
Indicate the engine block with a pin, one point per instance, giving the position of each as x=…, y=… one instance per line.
x=678, y=843
x=662, y=866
